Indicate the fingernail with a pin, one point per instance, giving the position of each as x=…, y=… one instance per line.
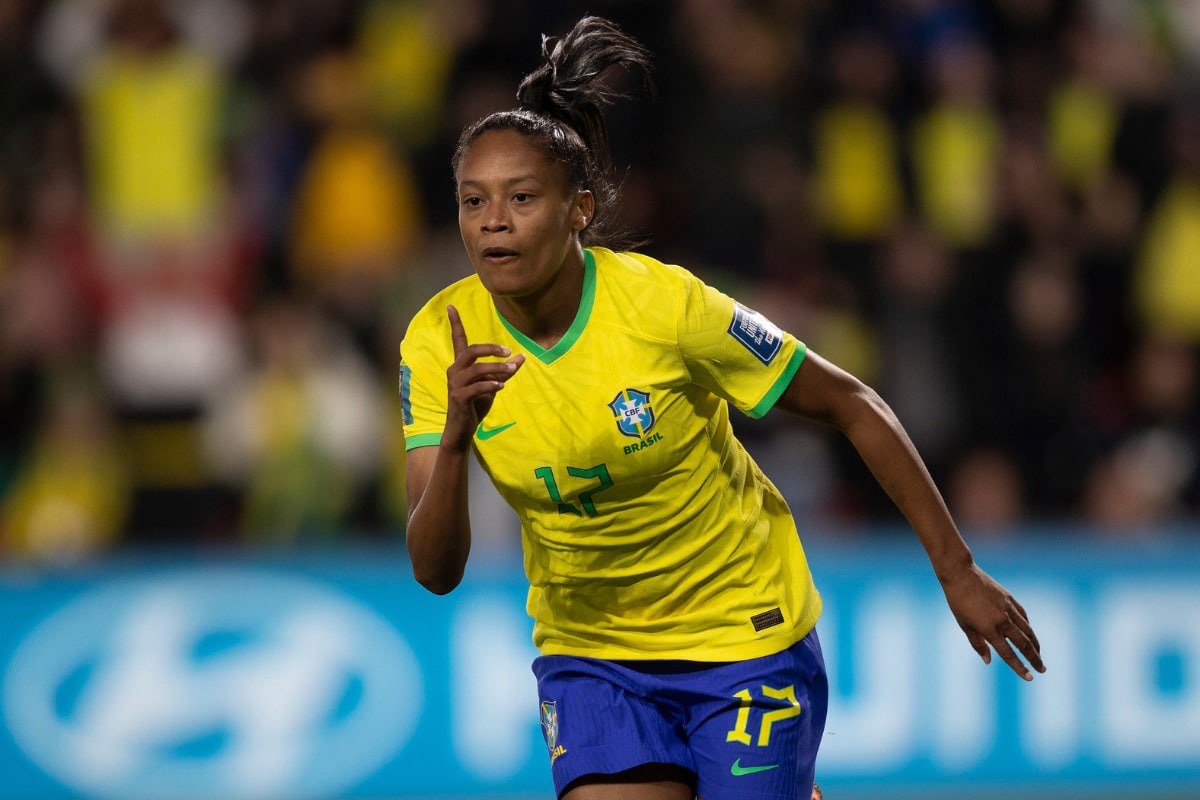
x=504, y=350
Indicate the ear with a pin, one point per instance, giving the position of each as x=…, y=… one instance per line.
x=583, y=211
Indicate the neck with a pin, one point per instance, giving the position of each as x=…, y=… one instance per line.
x=547, y=315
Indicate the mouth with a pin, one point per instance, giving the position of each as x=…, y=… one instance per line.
x=498, y=255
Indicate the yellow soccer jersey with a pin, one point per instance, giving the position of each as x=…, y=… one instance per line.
x=648, y=531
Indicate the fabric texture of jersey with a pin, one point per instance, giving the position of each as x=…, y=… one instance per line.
x=750, y=729
x=648, y=531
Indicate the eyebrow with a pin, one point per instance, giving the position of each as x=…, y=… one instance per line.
x=509, y=182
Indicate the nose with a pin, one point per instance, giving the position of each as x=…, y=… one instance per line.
x=496, y=219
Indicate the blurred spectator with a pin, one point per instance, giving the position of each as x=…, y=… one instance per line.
x=1042, y=378
x=149, y=99
x=986, y=493
x=227, y=211
x=356, y=213
x=32, y=114
x=917, y=368
x=168, y=270
x=743, y=115
x=45, y=333
x=70, y=497
x=1083, y=111
x=30, y=105
x=956, y=143
x=408, y=50
x=1151, y=474
x=857, y=156
x=1168, y=277
x=1035, y=209
x=299, y=435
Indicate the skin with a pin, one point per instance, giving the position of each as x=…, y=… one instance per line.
x=989, y=616
x=520, y=223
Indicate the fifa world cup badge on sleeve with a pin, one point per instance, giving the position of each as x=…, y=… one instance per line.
x=756, y=333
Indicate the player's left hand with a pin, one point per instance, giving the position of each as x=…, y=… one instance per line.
x=989, y=615
x=472, y=383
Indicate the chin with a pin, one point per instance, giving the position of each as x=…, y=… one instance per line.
x=501, y=287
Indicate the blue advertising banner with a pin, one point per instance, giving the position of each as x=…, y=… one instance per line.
x=333, y=675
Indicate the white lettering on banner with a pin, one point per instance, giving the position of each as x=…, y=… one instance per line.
x=493, y=690
x=1142, y=710
x=1141, y=721
x=1051, y=722
x=872, y=729
x=964, y=709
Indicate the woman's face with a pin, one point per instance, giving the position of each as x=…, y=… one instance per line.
x=518, y=218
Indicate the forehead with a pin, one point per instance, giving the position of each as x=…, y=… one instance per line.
x=501, y=155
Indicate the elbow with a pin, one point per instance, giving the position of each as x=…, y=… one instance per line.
x=860, y=405
x=437, y=561
x=438, y=581
x=440, y=587
x=873, y=403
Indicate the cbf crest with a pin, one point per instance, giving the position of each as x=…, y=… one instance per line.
x=635, y=416
x=550, y=730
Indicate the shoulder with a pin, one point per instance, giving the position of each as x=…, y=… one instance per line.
x=467, y=295
x=657, y=299
x=640, y=278
x=633, y=263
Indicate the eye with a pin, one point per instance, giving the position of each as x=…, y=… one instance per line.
x=471, y=201
x=522, y=197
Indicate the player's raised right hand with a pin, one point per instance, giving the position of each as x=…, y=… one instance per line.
x=472, y=384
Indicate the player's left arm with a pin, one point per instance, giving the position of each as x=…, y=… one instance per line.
x=984, y=609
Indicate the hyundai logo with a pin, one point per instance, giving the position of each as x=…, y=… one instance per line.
x=231, y=683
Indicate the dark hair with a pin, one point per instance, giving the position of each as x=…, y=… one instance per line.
x=560, y=110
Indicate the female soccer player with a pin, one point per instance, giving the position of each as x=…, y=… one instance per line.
x=673, y=607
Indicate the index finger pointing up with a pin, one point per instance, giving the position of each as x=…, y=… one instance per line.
x=457, y=335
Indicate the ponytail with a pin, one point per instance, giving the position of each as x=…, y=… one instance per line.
x=560, y=108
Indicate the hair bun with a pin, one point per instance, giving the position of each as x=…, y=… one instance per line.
x=537, y=90
x=569, y=83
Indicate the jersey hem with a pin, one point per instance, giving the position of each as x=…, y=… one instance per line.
x=708, y=654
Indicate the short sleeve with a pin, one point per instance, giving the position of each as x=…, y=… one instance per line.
x=734, y=351
x=424, y=357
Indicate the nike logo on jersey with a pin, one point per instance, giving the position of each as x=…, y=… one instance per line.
x=738, y=769
x=483, y=434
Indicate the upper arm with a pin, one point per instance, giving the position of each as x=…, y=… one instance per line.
x=422, y=400
x=822, y=391
x=417, y=469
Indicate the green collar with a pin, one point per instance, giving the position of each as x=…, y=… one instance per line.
x=586, y=300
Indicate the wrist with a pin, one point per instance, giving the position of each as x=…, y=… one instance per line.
x=456, y=439
x=952, y=564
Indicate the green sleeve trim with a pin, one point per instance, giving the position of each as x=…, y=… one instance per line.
x=422, y=440
x=781, y=383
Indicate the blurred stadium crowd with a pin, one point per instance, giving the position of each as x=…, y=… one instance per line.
x=217, y=216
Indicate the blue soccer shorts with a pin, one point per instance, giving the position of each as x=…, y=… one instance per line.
x=746, y=729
